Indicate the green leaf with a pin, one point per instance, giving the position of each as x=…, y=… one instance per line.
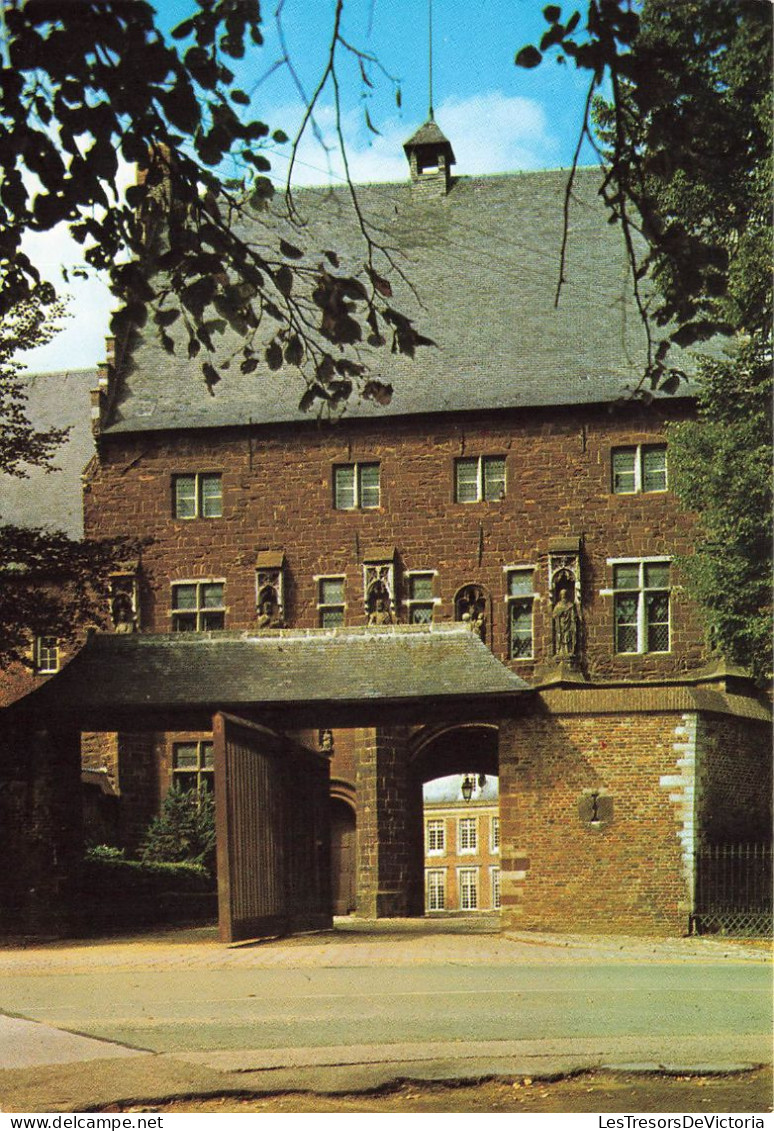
x=528, y=57
x=274, y=356
x=289, y=250
x=240, y=97
x=551, y=13
x=284, y=280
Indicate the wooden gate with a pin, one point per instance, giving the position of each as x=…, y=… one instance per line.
x=273, y=833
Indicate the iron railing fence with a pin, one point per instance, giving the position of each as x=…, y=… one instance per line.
x=733, y=893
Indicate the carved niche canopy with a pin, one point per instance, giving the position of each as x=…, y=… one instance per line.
x=270, y=588
x=379, y=579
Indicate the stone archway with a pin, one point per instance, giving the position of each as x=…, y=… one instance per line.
x=443, y=864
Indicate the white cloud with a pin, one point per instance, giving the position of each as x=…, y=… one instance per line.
x=490, y=133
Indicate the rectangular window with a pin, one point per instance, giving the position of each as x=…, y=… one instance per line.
x=197, y=496
x=330, y=601
x=467, y=834
x=193, y=766
x=46, y=655
x=481, y=478
x=520, y=600
x=435, y=838
x=494, y=834
x=467, y=879
x=639, y=468
x=494, y=885
x=641, y=595
x=198, y=606
x=356, y=486
x=435, y=886
x=420, y=602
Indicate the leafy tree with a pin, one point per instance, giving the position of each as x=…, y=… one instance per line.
x=85, y=90
x=722, y=469
x=183, y=831
x=87, y=86
x=52, y=585
x=686, y=139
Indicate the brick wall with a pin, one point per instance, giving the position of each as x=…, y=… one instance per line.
x=277, y=494
x=561, y=870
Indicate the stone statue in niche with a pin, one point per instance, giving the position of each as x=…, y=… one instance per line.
x=471, y=609
x=380, y=613
x=566, y=623
x=268, y=610
x=122, y=613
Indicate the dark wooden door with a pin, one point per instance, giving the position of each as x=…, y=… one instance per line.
x=343, y=857
x=273, y=833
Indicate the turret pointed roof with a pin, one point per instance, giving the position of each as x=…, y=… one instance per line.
x=430, y=134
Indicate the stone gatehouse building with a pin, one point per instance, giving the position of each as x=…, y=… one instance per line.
x=516, y=485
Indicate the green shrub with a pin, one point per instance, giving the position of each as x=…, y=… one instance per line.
x=184, y=831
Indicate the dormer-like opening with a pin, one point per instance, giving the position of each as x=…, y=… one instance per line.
x=430, y=157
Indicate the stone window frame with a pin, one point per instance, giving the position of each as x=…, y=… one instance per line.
x=45, y=655
x=358, y=490
x=415, y=604
x=200, y=610
x=467, y=844
x=432, y=839
x=325, y=608
x=637, y=475
x=435, y=883
x=521, y=599
x=201, y=501
x=494, y=834
x=467, y=883
x=479, y=482
x=642, y=624
x=494, y=887
x=203, y=771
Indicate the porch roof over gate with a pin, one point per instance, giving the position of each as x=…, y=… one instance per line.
x=284, y=670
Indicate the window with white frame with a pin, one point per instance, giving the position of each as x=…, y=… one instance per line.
x=480, y=479
x=639, y=468
x=467, y=834
x=494, y=834
x=197, y=496
x=193, y=766
x=198, y=606
x=494, y=887
x=356, y=486
x=467, y=882
x=520, y=598
x=435, y=836
x=420, y=602
x=330, y=601
x=46, y=655
x=641, y=600
x=435, y=889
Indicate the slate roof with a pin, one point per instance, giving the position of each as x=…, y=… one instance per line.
x=53, y=500
x=282, y=668
x=483, y=262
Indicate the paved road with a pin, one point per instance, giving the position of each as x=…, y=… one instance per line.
x=187, y=1010
x=343, y=1010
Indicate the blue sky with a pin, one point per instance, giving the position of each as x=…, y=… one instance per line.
x=498, y=117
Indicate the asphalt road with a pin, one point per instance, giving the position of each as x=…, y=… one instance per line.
x=180, y=1009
